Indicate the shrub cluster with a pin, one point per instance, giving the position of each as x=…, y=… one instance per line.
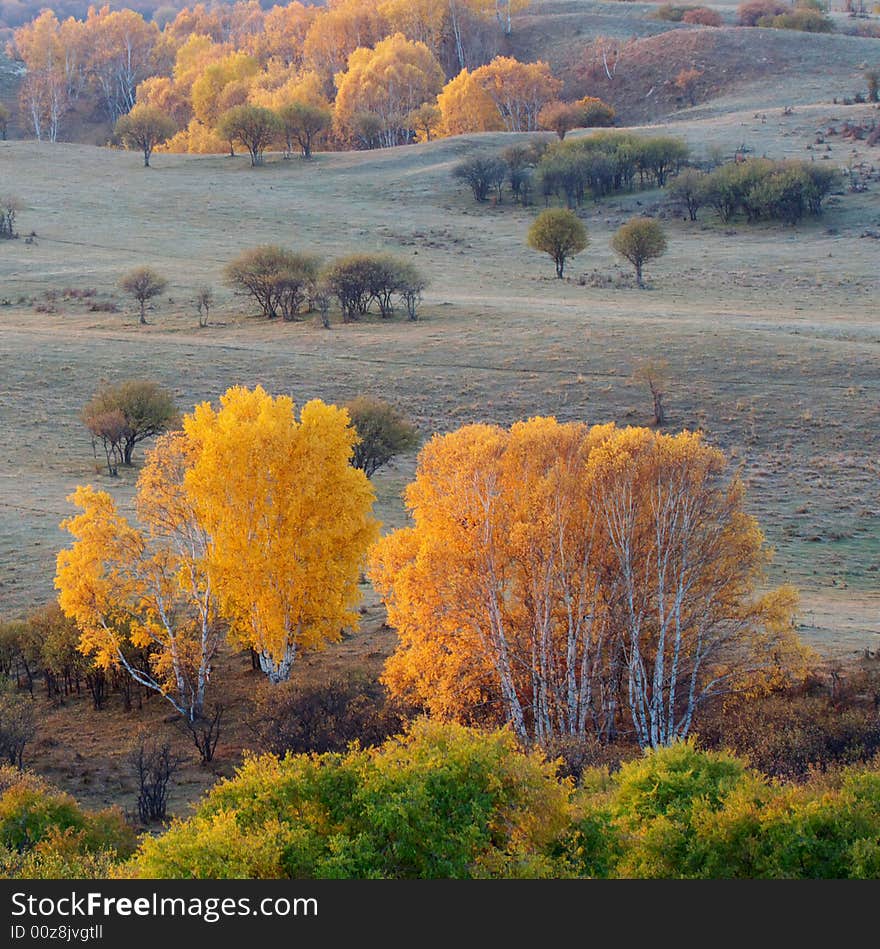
x=807, y=21
x=44, y=833
x=759, y=188
x=607, y=162
x=806, y=15
x=698, y=16
x=447, y=801
x=287, y=284
x=595, y=165
x=683, y=813
x=440, y=802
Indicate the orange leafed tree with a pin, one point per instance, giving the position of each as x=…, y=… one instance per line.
x=465, y=106
x=146, y=586
x=519, y=90
x=289, y=520
x=340, y=29
x=574, y=580
x=252, y=522
x=388, y=82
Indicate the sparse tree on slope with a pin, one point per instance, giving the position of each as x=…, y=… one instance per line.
x=639, y=240
x=144, y=128
x=559, y=233
x=143, y=284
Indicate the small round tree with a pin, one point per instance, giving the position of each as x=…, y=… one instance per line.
x=560, y=234
x=382, y=430
x=640, y=239
x=143, y=284
x=144, y=128
x=561, y=117
x=303, y=123
x=146, y=408
x=254, y=126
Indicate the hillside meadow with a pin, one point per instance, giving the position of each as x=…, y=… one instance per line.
x=771, y=332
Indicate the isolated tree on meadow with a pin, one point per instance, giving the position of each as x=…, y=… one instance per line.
x=303, y=123
x=410, y=282
x=204, y=300
x=561, y=117
x=559, y=233
x=254, y=126
x=10, y=205
x=146, y=408
x=144, y=128
x=278, y=279
x=143, y=284
x=639, y=240
x=289, y=520
x=382, y=430
x=654, y=373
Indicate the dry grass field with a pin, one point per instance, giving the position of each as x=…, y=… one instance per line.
x=772, y=334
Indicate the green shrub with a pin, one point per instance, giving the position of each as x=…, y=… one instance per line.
x=442, y=801
x=45, y=833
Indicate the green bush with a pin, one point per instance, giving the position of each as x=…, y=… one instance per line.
x=768, y=190
x=441, y=801
x=679, y=812
x=44, y=832
x=606, y=162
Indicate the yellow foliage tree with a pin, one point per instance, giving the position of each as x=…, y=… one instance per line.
x=145, y=587
x=209, y=87
x=388, y=82
x=337, y=31
x=519, y=90
x=574, y=580
x=465, y=106
x=283, y=35
x=289, y=520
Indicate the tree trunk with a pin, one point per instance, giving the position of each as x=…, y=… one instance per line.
x=278, y=670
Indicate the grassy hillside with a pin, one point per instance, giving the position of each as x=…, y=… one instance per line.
x=771, y=332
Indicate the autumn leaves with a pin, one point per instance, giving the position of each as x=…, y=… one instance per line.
x=577, y=581
x=252, y=525
x=567, y=580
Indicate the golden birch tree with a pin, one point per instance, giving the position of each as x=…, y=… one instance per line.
x=289, y=520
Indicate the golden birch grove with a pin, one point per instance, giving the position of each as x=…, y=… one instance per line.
x=579, y=581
